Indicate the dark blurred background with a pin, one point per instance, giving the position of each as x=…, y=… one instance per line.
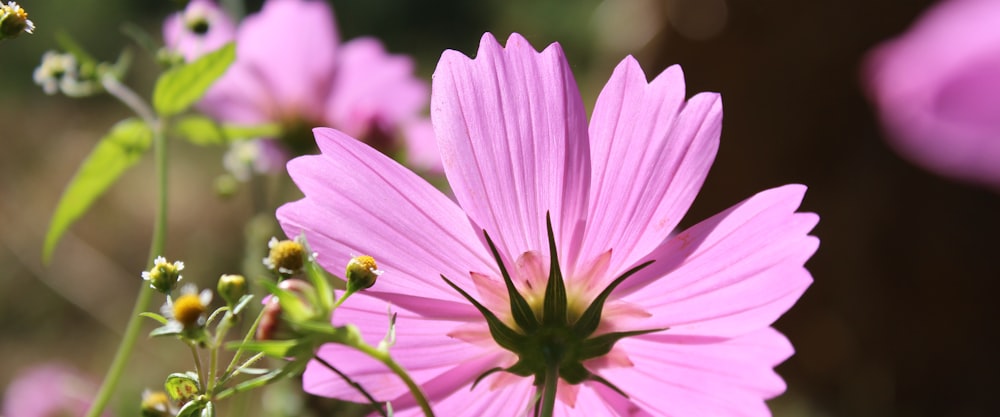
x=897, y=323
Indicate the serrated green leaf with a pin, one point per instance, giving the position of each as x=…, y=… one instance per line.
x=114, y=153
x=154, y=316
x=180, y=87
x=181, y=386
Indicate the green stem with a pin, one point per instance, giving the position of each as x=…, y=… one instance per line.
x=549, y=391
x=239, y=350
x=197, y=364
x=384, y=357
x=156, y=249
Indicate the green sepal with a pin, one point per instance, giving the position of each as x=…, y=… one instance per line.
x=520, y=310
x=191, y=409
x=506, y=337
x=320, y=280
x=242, y=303
x=605, y=382
x=574, y=372
x=554, y=308
x=182, y=386
x=204, y=131
x=601, y=345
x=485, y=374
x=292, y=307
x=154, y=316
x=180, y=87
x=591, y=317
x=119, y=150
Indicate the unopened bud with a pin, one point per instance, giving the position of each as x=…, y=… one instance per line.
x=232, y=288
x=272, y=324
x=285, y=257
x=362, y=272
x=164, y=276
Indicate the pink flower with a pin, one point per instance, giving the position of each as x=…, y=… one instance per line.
x=938, y=91
x=49, y=390
x=292, y=69
x=516, y=148
x=201, y=28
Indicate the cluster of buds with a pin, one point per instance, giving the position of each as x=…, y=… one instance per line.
x=14, y=21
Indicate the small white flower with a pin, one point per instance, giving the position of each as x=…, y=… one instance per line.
x=55, y=67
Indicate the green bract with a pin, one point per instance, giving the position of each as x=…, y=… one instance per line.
x=549, y=340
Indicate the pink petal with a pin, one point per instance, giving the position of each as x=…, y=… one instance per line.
x=360, y=202
x=736, y=272
x=290, y=45
x=421, y=146
x=679, y=376
x=512, y=400
x=439, y=363
x=650, y=153
x=937, y=91
x=373, y=89
x=512, y=134
x=239, y=97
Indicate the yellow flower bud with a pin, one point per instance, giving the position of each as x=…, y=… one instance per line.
x=164, y=276
x=362, y=272
x=156, y=404
x=232, y=288
x=285, y=257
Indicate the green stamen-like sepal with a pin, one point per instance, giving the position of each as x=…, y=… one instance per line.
x=519, y=308
x=554, y=308
x=591, y=318
x=504, y=336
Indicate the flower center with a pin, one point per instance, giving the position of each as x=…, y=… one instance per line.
x=188, y=309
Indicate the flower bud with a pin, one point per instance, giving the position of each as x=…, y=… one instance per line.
x=286, y=257
x=155, y=404
x=272, y=322
x=14, y=20
x=232, y=288
x=164, y=276
x=362, y=272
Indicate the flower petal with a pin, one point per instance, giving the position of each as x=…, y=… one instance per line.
x=685, y=376
x=650, y=153
x=373, y=89
x=736, y=272
x=360, y=202
x=511, y=400
x=291, y=46
x=512, y=133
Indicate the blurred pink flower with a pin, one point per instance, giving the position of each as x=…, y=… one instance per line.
x=937, y=89
x=291, y=68
x=202, y=27
x=515, y=143
x=49, y=390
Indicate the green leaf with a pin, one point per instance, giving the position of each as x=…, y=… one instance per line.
x=204, y=131
x=209, y=410
x=180, y=87
x=114, y=153
x=506, y=337
x=320, y=280
x=167, y=330
x=154, y=316
x=235, y=132
x=274, y=348
x=292, y=306
x=182, y=386
x=523, y=315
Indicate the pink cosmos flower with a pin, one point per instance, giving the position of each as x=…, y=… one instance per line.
x=292, y=69
x=516, y=148
x=49, y=390
x=201, y=28
x=938, y=91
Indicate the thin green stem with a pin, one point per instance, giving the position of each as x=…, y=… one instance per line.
x=213, y=358
x=197, y=364
x=387, y=360
x=239, y=350
x=549, y=391
x=124, y=352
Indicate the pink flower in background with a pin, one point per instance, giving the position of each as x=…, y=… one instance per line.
x=516, y=147
x=937, y=89
x=202, y=27
x=49, y=390
x=291, y=68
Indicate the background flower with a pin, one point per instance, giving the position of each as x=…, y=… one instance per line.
x=292, y=69
x=514, y=140
x=47, y=390
x=937, y=90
